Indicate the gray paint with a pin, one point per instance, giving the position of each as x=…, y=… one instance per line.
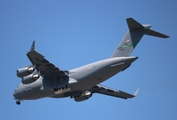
x=133, y=36
x=80, y=83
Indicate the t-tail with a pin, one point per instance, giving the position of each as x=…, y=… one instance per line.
x=133, y=36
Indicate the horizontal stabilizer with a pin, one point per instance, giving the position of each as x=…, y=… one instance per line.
x=156, y=34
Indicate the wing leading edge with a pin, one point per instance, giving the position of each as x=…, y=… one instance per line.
x=115, y=93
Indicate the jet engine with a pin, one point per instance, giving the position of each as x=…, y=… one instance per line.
x=30, y=78
x=25, y=71
x=83, y=96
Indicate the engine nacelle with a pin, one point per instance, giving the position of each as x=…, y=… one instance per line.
x=30, y=78
x=83, y=96
x=25, y=71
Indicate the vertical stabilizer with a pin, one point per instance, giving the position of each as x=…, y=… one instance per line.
x=133, y=36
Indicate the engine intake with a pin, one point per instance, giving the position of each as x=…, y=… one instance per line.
x=30, y=78
x=25, y=71
x=83, y=96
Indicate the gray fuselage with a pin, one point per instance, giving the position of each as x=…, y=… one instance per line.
x=80, y=79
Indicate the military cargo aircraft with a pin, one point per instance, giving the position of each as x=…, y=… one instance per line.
x=44, y=79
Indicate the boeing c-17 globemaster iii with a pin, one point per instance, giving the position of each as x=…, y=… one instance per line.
x=44, y=79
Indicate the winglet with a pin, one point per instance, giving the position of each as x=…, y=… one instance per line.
x=136, y=92
x=32, y=46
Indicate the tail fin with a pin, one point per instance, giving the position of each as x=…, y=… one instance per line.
x=133, y=36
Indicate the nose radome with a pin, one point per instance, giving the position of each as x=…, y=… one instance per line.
x=14, y=94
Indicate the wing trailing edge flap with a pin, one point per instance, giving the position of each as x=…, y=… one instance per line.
x=111, y=92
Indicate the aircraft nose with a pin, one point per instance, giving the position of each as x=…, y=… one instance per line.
x=16, y=94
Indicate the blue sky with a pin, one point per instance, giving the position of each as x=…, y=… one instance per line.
x=72, y=33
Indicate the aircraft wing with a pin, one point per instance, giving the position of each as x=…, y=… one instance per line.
x=46, y=69
x=115, y=93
